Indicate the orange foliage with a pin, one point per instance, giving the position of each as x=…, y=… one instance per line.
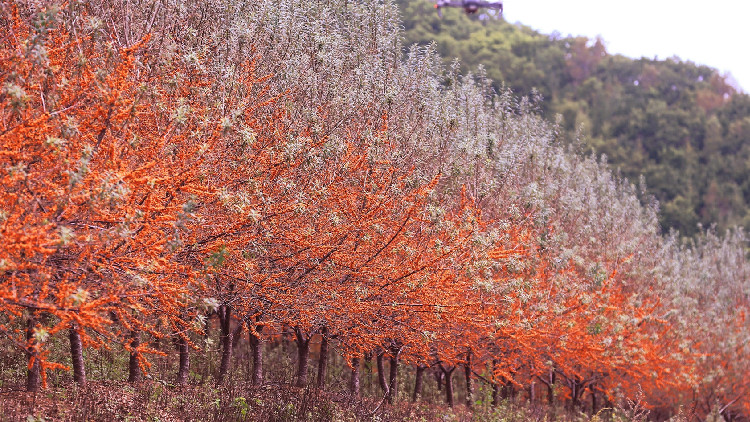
x=133, y=202
x=99, y=174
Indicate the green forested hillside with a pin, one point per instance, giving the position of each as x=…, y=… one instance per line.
x=680, y=125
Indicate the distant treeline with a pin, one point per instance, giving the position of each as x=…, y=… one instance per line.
x=682, y=126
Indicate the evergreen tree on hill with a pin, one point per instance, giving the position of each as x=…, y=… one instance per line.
x=680, y=125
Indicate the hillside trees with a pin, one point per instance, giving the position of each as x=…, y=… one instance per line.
x=669, y=120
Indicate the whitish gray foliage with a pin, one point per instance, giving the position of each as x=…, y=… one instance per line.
x=342, y=61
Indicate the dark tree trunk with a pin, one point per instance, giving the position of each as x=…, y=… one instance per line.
x=508, y=390
x=134, y=369
x=727, y=415
x=495, y=385
x=467, y=376
x=418, y=383
x=257, y=347
x=393, y=390
x=551, y=389
x=33, y=371
x=381, y=373
x=448, y=384
x=532, y=391
x=594, y=404
x=237, y=335
x=303, y=351
x=225, y=321
x=354, y=387
x=207, y=325
x=368, y=365
x=439, y=379
x=184, y=369
x=576, y=389
x=323, y=359
x=76, y=355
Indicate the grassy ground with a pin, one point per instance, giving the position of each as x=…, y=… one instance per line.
x=107, y=397
x=155, y=401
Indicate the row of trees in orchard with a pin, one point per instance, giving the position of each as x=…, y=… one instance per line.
x=286, y=171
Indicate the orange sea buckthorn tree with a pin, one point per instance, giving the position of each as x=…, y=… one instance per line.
x=102, y=174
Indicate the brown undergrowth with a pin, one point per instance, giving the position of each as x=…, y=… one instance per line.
x=153, y=401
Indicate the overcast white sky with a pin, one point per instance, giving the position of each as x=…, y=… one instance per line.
x=715, y=33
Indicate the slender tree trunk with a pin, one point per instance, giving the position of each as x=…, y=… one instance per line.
x=532, y=391
x=207, y=325
x=448, y=385
x=381, y=373
x=257, y=347
x=551, y=389
x=33, y=372
x=134, y=369
x=393, y=390
x=495, y=385
x=580, y=389
x=572, y=403
x=418, y=382
x=575, y=394
x=303, y=351
x=354, y=387
x=323, y=359
x=184, y=369
x=225, y=321
x=449, y=388
x=439, y=379
x=237, y=335
x=368, y=364
x=508, y=390
x=467, y=376
x=594, y=404
x=76, y=355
